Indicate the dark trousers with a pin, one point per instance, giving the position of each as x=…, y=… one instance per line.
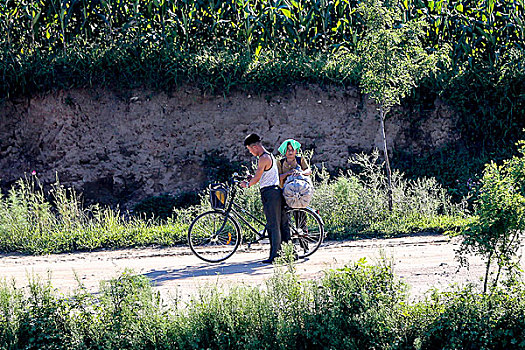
x=276, y=218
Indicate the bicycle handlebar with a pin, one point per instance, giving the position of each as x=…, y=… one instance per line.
x=236, y=178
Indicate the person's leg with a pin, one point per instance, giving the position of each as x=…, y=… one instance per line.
x=271, y=206
x=285, y=225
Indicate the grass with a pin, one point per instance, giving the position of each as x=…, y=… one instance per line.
x=34, y=222
x=360, y=306
x=352, y=205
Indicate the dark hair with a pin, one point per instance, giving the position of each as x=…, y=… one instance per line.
x=251, y=139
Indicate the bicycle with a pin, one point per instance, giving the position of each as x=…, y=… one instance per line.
x=215, y=235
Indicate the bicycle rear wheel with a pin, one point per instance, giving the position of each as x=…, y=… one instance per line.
x=306, y=230
x=213, y=236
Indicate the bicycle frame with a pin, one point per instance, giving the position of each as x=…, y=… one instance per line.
x=232, y=212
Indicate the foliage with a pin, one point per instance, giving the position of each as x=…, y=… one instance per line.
x=11, y=304
x=32, y=223
x=393, y=60
x=43, y=321
x=490, y=101
x=358, y=306
x=479, y=31
x=455, y=168
x=129, y=315
x=351, y=204
x=495, y=231
x=392, y=53
x=466, y=319
x=355, y=203
x=219, y=44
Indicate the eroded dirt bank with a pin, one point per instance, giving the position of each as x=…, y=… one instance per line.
x=119, y=147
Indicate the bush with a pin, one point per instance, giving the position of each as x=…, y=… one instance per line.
x=360, y=306
x=356, y=202
x=466, y=319
x=495, y=232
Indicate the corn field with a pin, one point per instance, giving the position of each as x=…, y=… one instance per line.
x=40, y=27
x=47, y=44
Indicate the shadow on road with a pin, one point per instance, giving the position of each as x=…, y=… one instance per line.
x=251, y=267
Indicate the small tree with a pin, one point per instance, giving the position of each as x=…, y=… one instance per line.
x=393, y=60
x=499, y=221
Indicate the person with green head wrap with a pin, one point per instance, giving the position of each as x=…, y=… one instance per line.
x=291, y=164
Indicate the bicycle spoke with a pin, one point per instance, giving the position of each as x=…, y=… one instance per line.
x=213, y=237
x=306, y=231
x=311, y=239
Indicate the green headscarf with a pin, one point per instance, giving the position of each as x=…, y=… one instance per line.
x=282, y=148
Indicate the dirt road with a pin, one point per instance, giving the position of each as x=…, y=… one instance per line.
x=423, y=261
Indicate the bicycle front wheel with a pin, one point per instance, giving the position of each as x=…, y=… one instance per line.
x=213, y=236
x=306, y=230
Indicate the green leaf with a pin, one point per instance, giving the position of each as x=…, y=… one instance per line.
x=258, y=51
x=286, y=12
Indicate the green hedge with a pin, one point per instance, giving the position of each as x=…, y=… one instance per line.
x=357, y=307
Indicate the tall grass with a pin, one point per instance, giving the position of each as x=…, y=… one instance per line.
x=360, y=306
x=355, y=203
x=32, y=221
x=351, y=204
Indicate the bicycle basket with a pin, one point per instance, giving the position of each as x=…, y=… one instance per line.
x=218, y=196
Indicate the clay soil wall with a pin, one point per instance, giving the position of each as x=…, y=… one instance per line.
x=119, y=147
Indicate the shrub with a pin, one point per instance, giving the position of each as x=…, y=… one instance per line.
x=496, y=229
x=356, y=202
x=11, y=306
x=360, y=306
x=466, y=319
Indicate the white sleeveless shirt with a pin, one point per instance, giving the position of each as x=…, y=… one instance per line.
x=270, y=177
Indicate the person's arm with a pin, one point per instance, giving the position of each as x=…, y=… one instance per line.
x=264, y=162
x=280, y=170
x=306, y=170
x=282, y=174
x=282, y=177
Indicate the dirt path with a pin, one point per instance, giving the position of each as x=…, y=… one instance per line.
x=423, y=261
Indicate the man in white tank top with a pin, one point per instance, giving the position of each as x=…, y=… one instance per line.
x=267, y=176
